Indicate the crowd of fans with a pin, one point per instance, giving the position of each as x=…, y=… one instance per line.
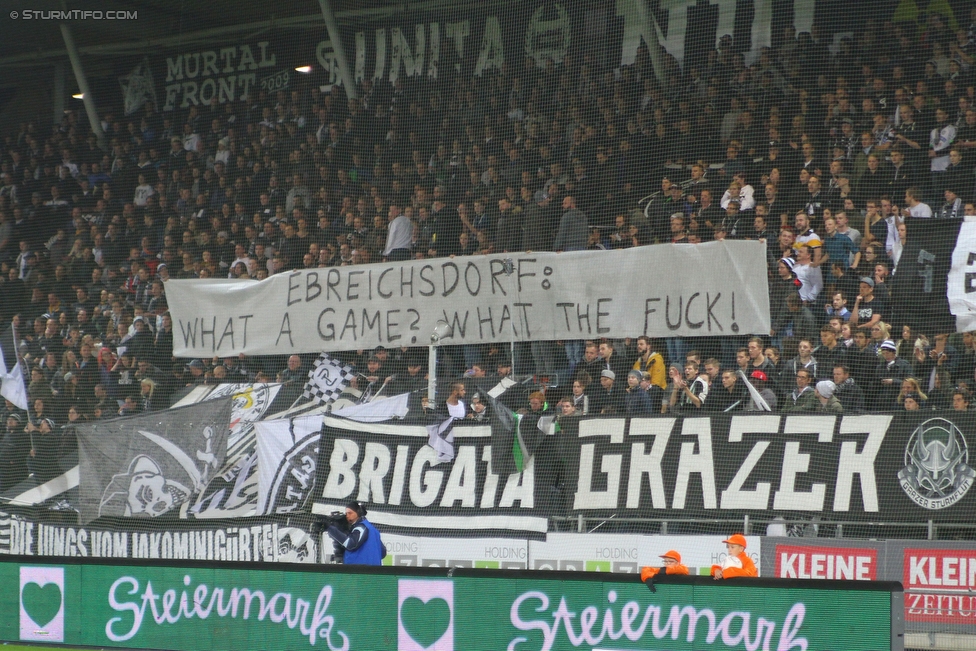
x=823, y=154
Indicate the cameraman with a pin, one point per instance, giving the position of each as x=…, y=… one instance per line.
x=362, y=544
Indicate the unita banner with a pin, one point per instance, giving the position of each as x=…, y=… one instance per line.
x=665, y=290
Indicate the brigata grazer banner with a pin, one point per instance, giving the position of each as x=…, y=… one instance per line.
x=201, y=608
x=663, y=290
x=898, y=467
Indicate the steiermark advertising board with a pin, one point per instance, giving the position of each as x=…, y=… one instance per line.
x=194, y=607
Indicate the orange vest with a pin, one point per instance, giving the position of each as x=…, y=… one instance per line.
x=748, y=568
x=648, y=572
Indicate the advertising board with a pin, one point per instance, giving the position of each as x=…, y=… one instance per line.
x=197, y=607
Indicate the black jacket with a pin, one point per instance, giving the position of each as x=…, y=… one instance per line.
x=850, y=395
x=720, y=399
x=607, y=402
x=827, y=359
x=897, y=370
x=14, y=448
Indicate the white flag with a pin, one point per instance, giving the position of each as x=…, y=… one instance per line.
x=12, y=385
x=754, y=394
x=138, y=88
x=441, y=438
x=287, y=452
x=377, y=411
x=327, y=379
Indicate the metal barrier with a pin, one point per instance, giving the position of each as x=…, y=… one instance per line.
x=814, y=528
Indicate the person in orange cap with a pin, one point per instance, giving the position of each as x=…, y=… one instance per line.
x=670, y=564
x=737, y=563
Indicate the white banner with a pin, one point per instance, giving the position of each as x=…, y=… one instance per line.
x=288, y=450
x=577, y=552
x=492, y=553
x=595, y=552
x=961, y=283
x=666, y=290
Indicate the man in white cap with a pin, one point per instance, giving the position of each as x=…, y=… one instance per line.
x=889, y=374
x=828, y=401
x=608, y=399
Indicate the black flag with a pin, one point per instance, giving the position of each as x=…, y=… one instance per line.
x=918, y=287
x=151, y=464
x=514, y=437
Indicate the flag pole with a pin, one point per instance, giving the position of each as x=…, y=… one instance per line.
x=23, y=369
x=23, y=378
x=754, y=393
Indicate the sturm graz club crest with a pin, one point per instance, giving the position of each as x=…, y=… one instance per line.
x=295, y=477
x=548, y=34
x=937, y=472
x=287, y=455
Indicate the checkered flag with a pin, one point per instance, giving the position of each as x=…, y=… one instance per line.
x=327, y=379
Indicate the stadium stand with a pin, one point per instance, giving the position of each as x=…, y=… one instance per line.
x=833, y=147
x=820, y=152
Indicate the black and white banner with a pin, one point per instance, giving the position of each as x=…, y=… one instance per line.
x=928, y=276
x=909, y=467
x=527, y=297
x=453, y=41
x=393, y=469
x=149, y=465
x=466, y=42
x=933, y=288
x=233, y=490
x=961, y=281
x=258, y=540
x=287, y=452
x=327, y=379
x=197, y=77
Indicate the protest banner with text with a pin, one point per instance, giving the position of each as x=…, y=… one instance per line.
x=661, y=291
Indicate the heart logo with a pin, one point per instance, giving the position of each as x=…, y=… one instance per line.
x=425, y=622
x=41, y=603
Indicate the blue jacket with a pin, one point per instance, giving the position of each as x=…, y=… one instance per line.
x=638, y=402
x=370, y=550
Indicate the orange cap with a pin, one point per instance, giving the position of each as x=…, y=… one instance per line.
x=736, y=539
x=672, y=554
